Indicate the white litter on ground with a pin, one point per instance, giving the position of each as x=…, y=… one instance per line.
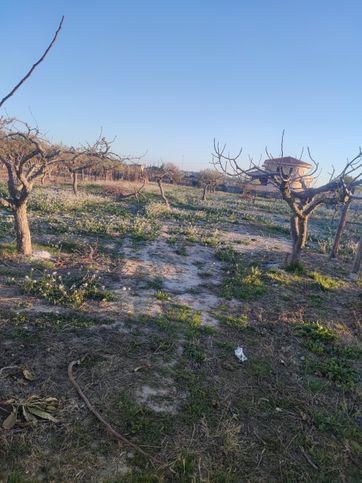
x=239, y=352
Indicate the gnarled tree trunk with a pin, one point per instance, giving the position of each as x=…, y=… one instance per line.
x=299, y=233
x=204, y=197
x=163, y=195
x=358, y=258
x=75, y=182
x=22, y=230
x=339, y=232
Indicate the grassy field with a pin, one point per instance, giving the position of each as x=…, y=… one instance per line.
x=153, y=302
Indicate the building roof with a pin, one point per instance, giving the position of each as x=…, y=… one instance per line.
x=258, y=173
x=288, y=161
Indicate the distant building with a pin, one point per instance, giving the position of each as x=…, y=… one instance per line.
x=261, y=182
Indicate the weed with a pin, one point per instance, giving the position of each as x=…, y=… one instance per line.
x=184, y=314
x=145, y=229
x=315, y=331
x=230, y=320
x=65, y=291
x=155, y=283
x=163, y=296
x=341, y=424
x=323, y=282
x=193, y=352
x=185, y=468
x=297, y=268
x=241, y=282
x=181, y=249
x=336, y=370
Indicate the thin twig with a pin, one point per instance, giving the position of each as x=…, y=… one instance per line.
x=8, y=367
x=308, y=458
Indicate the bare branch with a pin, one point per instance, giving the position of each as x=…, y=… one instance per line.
x=28, y=74
x=282, y=144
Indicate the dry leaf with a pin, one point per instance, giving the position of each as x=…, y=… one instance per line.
x=147, y=365
x=28, y=375
x=10, y=421
x=28, y=416
x=41, y=414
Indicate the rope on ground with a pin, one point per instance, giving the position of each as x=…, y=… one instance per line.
x=115, y=433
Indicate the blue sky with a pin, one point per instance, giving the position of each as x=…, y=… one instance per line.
x=168, y=76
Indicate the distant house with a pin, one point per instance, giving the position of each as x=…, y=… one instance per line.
x=261, y=182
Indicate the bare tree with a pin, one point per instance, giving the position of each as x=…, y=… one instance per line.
x=166, y=172
x=348, y=200
x=340, y=228
x=77, y=160
x=25, y=157
x=302, y=203
x=209, y=178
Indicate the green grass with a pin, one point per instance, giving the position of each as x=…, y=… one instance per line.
x=141, y=423
x=230, y=320
x=241, y=282
x=334, y=362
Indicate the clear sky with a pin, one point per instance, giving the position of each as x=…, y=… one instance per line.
x=167, y=76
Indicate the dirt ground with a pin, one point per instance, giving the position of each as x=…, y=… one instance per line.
x=173, y=294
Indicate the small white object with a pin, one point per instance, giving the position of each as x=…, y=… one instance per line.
x=239, y=352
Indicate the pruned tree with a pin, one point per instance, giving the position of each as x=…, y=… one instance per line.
x=166, y=172
x=76, y=160
x=97, y=156
x=348, y=200
x=303, y=202
x=208, y=179
x=25, y=157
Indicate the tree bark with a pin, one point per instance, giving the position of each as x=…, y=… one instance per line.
x=22, y=230
x=75, y=182
x=358, y=258
x=303, y=230
x=163, y=195
x=340, y=228
x=204, y=197
x=299, y=233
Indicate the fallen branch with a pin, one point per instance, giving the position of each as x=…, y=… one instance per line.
x=136, y=192
x=115, y=433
